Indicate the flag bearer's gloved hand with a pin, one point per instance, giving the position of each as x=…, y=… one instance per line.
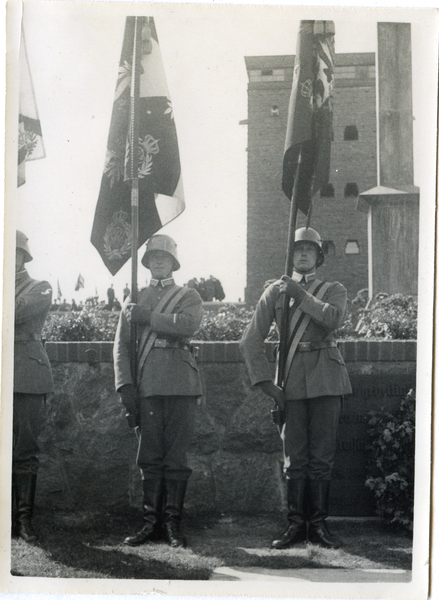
x=292, y=288
x=128, y=396
x=268, y=283
x=275, y=392
x=138, y=314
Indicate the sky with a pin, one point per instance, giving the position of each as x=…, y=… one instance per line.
x=74, y=50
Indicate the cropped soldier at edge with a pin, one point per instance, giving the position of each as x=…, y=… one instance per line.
x=32, y=382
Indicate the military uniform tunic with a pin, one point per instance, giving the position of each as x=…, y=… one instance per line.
x=32, y=372
x=168, y=383
x=316, y=381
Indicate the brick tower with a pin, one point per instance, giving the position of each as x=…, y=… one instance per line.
x=353, y=170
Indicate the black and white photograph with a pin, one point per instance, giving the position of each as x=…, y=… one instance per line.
x=221, y=222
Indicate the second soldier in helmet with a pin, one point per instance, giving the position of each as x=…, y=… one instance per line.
x=162, y=400
x=315, y=381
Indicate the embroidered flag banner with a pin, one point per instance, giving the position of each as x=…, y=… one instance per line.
x=30, y=139
x=309, y=128
x=79, y=283
x=160, y=186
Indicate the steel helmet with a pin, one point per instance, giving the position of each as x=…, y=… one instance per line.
x=21, y=242
x=306, y=234
x=164, y=243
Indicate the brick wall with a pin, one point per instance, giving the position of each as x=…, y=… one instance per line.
x=354, y=161
x=88, y=451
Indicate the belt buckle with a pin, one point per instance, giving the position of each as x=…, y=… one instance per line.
x=305, y=346
x=160, y=343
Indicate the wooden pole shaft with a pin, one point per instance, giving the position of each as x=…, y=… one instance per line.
x=134, y=160
x=283, y=333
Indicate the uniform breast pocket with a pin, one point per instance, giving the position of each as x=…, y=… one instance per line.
x=39, y=356
x=334, y=354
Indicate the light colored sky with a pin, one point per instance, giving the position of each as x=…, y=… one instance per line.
x=74, y=49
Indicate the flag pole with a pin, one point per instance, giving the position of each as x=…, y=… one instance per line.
x=134, y=160
x=283, y=333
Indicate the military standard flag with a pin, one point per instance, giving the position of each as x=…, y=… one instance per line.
x=30, y=139
x=79, y=283
x=160, y=188
x=309, y=128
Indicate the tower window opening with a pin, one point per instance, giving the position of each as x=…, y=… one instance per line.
x=351, y=132
x=351, y=189
x=327, y=191
x=352, y=247
x=328, y=247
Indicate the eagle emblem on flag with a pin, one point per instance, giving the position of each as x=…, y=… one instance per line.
x=117, y=238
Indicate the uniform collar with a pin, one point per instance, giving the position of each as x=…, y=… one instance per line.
x=299, y=276
x=21, y=276
x=161, y=282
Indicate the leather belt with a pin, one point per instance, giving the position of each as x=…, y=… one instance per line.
x=161, y=343
x=309, y=346
x=27, y=337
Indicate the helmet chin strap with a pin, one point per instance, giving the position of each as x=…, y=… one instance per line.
x=305, y=271
x=159, y=278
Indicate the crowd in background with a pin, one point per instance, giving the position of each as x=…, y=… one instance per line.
x=209, y=290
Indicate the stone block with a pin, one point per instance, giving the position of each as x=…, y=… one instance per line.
x=201, y=490
x=206, y=438
x=249, y=483
x=252, y=428
x=223, y=392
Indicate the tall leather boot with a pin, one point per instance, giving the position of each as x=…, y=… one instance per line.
x=152, y=514
x=25, y=485
x=175, y=491
x=296, y=530
x=318, y=532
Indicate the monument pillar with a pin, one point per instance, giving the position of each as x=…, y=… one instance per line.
x=393, y=206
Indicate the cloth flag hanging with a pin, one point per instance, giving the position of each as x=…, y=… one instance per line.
x=30, y=139
x=161, y=196
x=309, y=128
x=80, y=283
x=59, y=295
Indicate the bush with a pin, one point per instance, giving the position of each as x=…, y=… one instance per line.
x=392, y=462
x=227, y=324
x=90, y=324
x=391, y=317
x=388, y=318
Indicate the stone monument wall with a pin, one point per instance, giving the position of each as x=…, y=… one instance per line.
x=88, y=451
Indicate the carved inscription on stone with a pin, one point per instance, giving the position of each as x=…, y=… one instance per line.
x=349, y=495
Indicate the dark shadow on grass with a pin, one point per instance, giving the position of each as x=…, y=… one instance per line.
x=90, y=546
x=371, y=540
x=75, y=545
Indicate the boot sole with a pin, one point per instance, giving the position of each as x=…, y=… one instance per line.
x=284, y=546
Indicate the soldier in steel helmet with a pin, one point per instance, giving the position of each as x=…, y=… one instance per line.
x=315, y=381
x=32, y=382
x=161, y=401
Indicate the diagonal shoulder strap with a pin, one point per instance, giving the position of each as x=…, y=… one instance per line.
x=25, y=287
x=165, y=306
x=298, y=314
x=318, y=291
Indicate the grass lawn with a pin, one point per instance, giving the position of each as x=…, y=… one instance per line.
x=75, y=545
